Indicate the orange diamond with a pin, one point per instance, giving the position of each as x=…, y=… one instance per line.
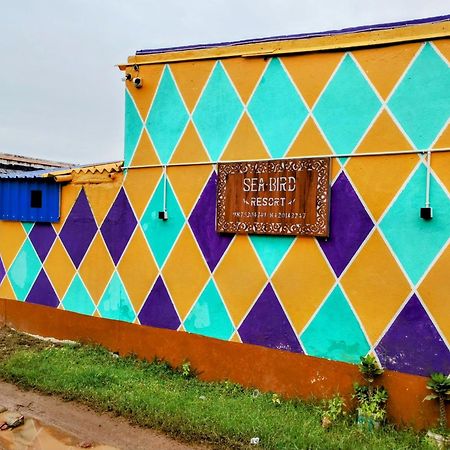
x=59, y=268
x=375, y=285
x=12, y=236
x=188, y=183
x=302, y=281
x=239, y=277
x=311, y=72
x=139, y=185
x=244, y=74
x=385, y=65
x=69, y=193
x=434, y=292
x=137, y=269
x=245, y=143
x=191, y=77
x=185, y=272
x=97, y=268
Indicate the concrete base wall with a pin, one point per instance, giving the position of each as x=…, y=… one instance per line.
x=292, y=375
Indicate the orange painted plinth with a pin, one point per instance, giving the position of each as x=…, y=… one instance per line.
x=287, y=373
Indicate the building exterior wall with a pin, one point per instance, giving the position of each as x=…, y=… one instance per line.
x=379, y=283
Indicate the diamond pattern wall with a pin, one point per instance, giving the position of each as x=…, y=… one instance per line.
x=267, y=324
x=277, y=109
x=217, y=112
x=209, y=316
x=167, y=117
x=115, y=303
x=346, y=108
x=412, y=344
x=77, y=298
x=79, y=229
x=335, y=332
x=161, y=234
x=379, y=283
x=428, y=236
x=133, y=128
x=426, y=85
x=24, y=270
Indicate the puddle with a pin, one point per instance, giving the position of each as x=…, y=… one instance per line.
x=33, y=435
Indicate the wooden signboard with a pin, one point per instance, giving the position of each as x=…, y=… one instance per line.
x=286, y=197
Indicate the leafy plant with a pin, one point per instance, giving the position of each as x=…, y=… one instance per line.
x=371, y=400
x=186, y=370
x=332, y=410
x=440, y=385
x=369, y=368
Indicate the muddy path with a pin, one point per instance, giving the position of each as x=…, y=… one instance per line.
x=71, y=422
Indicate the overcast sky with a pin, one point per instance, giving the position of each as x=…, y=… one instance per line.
x=61, y=96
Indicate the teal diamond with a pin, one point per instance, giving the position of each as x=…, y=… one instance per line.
x=277, y=109
x=335, y=333
x=421, y=102
x=415, y=241
x=167, y=118
x=209, y=316
x=27, y=226
x=115, y=303
x=161, y=234
x=217, y=112
x=24, y=270
x=77, y=298
x=346, y=108
x=271, y=249
x=133, y=128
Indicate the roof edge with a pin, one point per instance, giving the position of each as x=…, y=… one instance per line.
x=359, y=29
x=367, y=35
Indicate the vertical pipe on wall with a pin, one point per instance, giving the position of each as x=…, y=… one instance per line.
x=427, y=191
x=165, y=190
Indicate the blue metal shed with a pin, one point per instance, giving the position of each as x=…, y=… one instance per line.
x=27, y=197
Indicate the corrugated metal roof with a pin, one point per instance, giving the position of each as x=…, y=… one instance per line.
x=27, y=161
x=27, y=174
x=46, y=173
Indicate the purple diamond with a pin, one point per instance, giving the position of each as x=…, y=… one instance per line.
x=267, y=325
x=42, y=292
x=158, y=310
x=2, y=270
x=203, y=225
x=42, y=236
x=79, y=229
x=118, y=226
x=349, y=225
x=412, y=344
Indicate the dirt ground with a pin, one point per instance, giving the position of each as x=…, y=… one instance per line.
x=72, y=419
x=84, y=424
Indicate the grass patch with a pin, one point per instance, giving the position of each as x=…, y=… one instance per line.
x=224, y=414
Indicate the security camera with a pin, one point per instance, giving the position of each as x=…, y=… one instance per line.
x=127, y=77
x=138, y=82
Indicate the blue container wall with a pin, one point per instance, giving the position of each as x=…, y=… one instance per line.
x=15, y=201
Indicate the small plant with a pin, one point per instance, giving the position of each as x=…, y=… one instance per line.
x=332, y=410
x=186, y=370
x=369, y=368
x=440, y=385
x=276, y=400
x=371, y=400
x=371, y=404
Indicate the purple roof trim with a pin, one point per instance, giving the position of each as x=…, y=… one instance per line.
x=359, y=29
